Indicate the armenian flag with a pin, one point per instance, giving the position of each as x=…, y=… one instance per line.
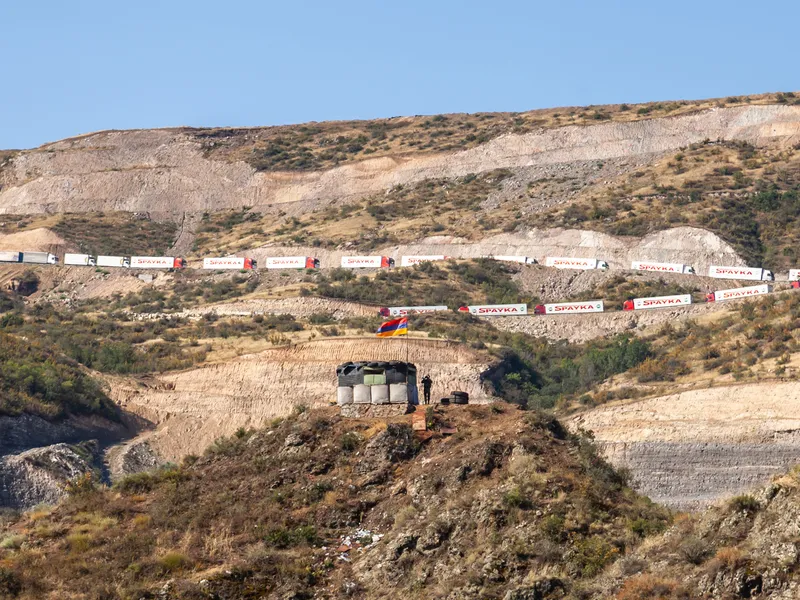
x=394, y=327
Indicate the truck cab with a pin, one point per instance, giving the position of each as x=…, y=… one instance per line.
x=601, y=264
x=768, y=275
x=539, y=309
x=628, y=304
x=179, y=263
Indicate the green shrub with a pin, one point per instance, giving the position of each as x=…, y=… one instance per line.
x=282, y=537
x=349, y=442
x=591, y=555
x=10, y=583
x=516, y=498
x=744, y=503
x=173, y=561
x=694, y=550
x=35, y=379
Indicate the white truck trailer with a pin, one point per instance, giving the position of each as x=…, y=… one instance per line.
x=565, y=262
x=80, y=260
x=749, y=273
x=656, y=267
x=230, y=262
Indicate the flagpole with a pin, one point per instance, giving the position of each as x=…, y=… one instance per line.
x=408, y=333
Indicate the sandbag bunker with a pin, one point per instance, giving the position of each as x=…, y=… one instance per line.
x=377, y=382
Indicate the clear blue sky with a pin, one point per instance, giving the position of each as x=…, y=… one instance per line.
x=69, y=67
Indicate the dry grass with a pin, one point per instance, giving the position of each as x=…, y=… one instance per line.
x=746, y=195
x=756, y=340
x=316, y=146
x=250, y=513
x=404, y=214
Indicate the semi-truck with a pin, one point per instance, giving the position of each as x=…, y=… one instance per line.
x=292, y=262
x=81, y=260
x=409, y=261
x=658, y=302
x=230, y=262
x=34, y=258
x=495, y=310
x=367, y=262
x=157, y=262
x=113, y=261
x=402, y=311
x=564, y=262
x=742, y=292
x=639, y=265
x=565, y=308
x=525, y=260
x=749, y=273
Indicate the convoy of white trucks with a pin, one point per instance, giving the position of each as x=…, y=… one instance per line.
x=385, y=262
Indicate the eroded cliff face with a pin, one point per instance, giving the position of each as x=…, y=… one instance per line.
x=691, y=449
x=192, y=408
x=30, y=431
x=40, y=475
x=165, y=171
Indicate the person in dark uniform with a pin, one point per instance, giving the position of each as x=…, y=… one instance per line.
x=427, y=382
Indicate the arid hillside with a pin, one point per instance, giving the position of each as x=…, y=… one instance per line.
x=167, y=171
x=193, y=408
x=491, y=501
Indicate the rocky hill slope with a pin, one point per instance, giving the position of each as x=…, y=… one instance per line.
x=166, y=171
x=507, y=505
x=195, y=355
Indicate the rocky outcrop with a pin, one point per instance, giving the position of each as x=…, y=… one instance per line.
x=40, y=475
x=30, y=431
x=691, y=476
x=691, y=449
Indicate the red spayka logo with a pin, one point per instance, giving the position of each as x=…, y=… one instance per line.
x=661, y=302
x=735, y=271
x=742, y=293
x=578, y=263
x=575, y=307
x=505, y=309
x=656, y=268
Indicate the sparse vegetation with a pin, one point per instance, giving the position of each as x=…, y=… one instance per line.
x=248, y=520
x=36, y=380
x=750, y=199
x=452, y=284
x=116, y=234
x=317, y=146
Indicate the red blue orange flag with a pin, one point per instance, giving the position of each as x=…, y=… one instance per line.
x=394, y=327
